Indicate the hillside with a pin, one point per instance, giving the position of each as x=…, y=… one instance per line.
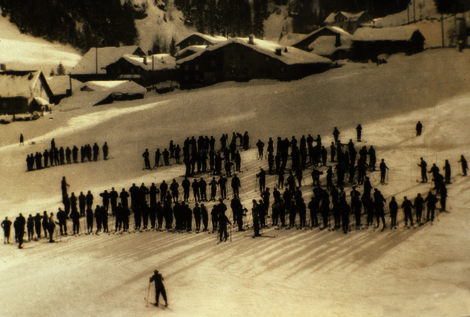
x=402, y=272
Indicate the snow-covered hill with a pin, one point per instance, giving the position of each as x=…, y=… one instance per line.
x=24, y=52
x=403, y=272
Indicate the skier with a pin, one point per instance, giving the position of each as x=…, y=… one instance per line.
x=383, y=171
x=447, y=174
x=359, y=132
x=105, y=151
x=423, y=165
x=236, y=185
x=145, y=155
x=336, y=134
x=406, y=206
x=260, y=146
x=255, y=213
x=223, y=220
x=463, y=162
x=6, y=225
x=159, y=287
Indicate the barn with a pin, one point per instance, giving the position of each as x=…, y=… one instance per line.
x=368, y=43
x=23, y=92
x=243, y=59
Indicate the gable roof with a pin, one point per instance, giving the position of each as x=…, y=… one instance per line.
x=106, y=56
x=350, y=16
x=401, y=33
x=161, y=61
x=293, y=55
x=211, y=39
x=21, y=83
x=121, y=86
x=333, y=29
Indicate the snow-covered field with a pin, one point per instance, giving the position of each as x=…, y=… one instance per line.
x=403, y=272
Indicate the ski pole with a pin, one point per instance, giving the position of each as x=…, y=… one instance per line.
x=148, y=295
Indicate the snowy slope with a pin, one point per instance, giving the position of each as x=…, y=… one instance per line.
x=403, y=272
x=24, y=52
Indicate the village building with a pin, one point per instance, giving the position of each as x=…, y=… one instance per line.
x=347, y=21
x=93, y=64
x=329, y=41
x=146, y=70
x=190, y=50
x=199, y=39
x=371, y=42
x=23, y=92
x=108, y=91
x=243, y=59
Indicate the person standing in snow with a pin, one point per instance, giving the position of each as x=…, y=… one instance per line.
x=423, y=165
x=159, y=287
x=359, y=132
x=383, y=171
x=463, y=161
x=336, y=134
x=21, y=139
x=145, y=155
x=6, y=225
x=419, y=128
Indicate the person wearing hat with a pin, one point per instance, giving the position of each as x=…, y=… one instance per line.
x=159, y=287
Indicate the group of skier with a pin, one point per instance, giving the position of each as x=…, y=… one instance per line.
x=200, y=155
x=61, y=156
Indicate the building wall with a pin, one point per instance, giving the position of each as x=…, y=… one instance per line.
x=15, y=105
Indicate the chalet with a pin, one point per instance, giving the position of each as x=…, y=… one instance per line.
x=93, y=64
x=371, y=42
x=347, y=21
x=23, y=92
x=199, y=39
x=190, y=50
x=329, y=41
x=242, y=59
x=145, y=71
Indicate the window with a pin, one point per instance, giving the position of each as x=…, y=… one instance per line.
x=189, y=43
x=132, y=70
x=267, y=59
x=186, y=67
x=213, y=63
x=186, y=77
x=196, y=67
x=232, y=70
x=230, y=56
x=283, y=70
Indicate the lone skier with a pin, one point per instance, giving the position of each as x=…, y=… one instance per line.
x=159, y=287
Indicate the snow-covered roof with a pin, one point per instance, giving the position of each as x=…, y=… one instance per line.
x=401, y=33
x=291, y=39
x=106, y=56
x=348, y=15
x=18, y=84
x=122, y=86
x=211, y=39
x=326, y=45
x=193, y=48
x=161, y=61
x=41, y=101
x=60, y=84
x=333, y=29
x=291, y=57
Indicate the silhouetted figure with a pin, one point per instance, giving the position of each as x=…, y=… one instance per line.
x=159, y=287
x=145, y=155
x=359, y=132
x=419, y=128
x=463, y=162
x=6, y=225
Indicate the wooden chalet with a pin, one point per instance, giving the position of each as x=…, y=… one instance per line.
x=347, y=21
x=146, y=70
x=93, y=64
x=243, y=59
x=371, y=42
x=23, y=92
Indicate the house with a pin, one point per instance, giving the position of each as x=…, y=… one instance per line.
x=243, y=59
x=347, y=21
x=23, y=92
x=199, y=39
x=105, y=92
x=329, y=41
x=62, y=87
x=371, y=42
x=190, y=50
x=146, y=70
x=93, y=64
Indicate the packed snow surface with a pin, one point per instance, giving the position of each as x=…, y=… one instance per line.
x=404, y=272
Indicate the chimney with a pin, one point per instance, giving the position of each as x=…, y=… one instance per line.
x=3, y=67
x=285, y=50
x=250, y=40
x=279, y=51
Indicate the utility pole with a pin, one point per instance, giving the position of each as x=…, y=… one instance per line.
x=414, y=11
x=96, y=51
x=442, y=26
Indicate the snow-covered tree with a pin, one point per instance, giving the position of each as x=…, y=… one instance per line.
x=60, y=69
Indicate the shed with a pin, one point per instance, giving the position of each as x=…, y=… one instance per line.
x=371, y=42
x=23, y=92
